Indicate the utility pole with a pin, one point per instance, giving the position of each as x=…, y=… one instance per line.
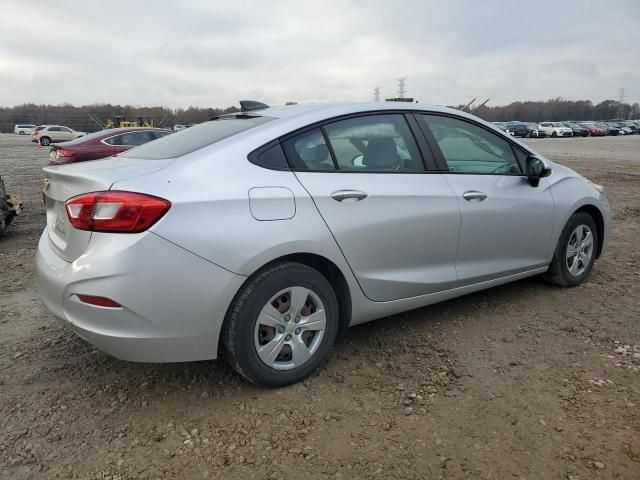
x=620, y=102
x=376, y=94
x=401, y=87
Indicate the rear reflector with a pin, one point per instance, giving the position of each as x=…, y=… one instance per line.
x=99, y=301
x=115, y=212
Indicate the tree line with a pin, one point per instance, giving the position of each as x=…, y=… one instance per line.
x=82, y=118
x=558, y=109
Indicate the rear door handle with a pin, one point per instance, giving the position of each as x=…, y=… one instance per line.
x=348, y=196
x=474, y=196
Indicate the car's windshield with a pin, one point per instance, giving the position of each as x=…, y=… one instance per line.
x=196, y=137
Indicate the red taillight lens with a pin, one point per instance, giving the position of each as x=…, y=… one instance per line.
x=99, y=301
x=115, y=212
x=65, y=153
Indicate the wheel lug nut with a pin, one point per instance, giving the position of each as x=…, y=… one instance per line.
x=287, y=318
x=288, y=337
x=280, y=329
x=297, y=320
x=298, y=330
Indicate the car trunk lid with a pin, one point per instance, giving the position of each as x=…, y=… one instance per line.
x=63, y=182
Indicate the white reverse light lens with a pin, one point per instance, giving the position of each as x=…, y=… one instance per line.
x=105, y=211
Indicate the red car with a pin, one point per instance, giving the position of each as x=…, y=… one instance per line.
x=103, y=144
x=594, y=131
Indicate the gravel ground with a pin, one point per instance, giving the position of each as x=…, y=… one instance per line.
x=520, y=381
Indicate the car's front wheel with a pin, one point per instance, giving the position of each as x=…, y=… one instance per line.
x=281, y=325
x=575, y=253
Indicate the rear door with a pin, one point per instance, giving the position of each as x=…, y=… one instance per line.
x=396, y=223
x=506, y=224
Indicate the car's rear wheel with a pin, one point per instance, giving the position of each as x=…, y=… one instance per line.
x=21, y=132
x=575, y=253
x=45, y=141
x=282, y=325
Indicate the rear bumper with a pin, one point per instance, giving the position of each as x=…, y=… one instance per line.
x=173, y=302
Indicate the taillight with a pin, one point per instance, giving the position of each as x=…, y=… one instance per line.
x=65, y=153
x=116, y=212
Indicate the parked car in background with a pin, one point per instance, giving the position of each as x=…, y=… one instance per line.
x=556, y=129
x=35, y=132
x=610, y=129
x=244, y=235
x=593, y=129
x=529, y=130
x=578, y=130
x=103, y=144
x=622, y=126
x=55, y=133
x=24, y=129
x=179, y=126
x=504, y=127
x=630, y=124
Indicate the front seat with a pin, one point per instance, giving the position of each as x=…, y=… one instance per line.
x=381, y=154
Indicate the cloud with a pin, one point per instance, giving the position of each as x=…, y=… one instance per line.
x=198, y=52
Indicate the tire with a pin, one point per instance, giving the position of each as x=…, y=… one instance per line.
x=243, y=334
x=45, y=141
x=21, y=132
x=559, y=272
x=554, y=134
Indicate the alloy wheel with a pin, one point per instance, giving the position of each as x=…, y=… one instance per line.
x=579, y=250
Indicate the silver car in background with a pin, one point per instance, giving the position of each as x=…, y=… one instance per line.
x=264, y=233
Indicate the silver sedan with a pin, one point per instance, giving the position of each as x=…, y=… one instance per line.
x=264, y=233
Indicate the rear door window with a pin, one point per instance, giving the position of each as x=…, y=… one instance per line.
x=309, y=151
x=374, y=143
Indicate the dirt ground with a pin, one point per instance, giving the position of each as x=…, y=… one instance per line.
x=521, y=381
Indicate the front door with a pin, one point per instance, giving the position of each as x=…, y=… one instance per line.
x=396, y=224
x=506, y=224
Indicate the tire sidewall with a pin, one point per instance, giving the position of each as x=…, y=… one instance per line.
x=244, y=315
x=45, y=141
x=580, y=218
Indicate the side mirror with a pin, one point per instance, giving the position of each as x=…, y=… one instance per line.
x=536, y=169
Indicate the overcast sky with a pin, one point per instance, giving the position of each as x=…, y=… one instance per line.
x=213, y=53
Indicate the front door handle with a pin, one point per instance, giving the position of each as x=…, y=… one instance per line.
x=474, y=196
x=348, y=196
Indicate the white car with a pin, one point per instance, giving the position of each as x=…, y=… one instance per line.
x=56, y=133
x=23, y=129
x=177, y=127
x=556, y=129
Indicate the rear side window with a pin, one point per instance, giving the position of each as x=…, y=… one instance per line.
x=195, y=138
x=270, y=156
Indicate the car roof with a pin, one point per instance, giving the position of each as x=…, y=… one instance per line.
x=334, y=109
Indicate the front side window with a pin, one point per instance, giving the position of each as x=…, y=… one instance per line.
x=65, y=129
x=374, y=143
x=468, y=148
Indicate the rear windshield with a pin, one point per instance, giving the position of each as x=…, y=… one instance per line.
x=88, y=137
x=196, y=137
